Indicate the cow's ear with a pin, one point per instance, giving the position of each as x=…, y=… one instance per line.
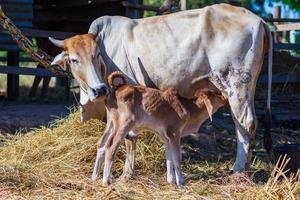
x=61, y=60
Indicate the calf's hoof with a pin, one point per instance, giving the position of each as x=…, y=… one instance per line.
x=170, y=180
x=94, y=177
x=106, y=182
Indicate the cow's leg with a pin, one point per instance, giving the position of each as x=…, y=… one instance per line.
x=243, y=115
x=169, y=161
x=130, y=143
x=101, y=151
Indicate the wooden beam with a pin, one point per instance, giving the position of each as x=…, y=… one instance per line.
x=42, y=33
x=25, y=71
x=286, y=46
x=140, y=7
x=281, y=20
x=279, y=78
x=287, y=27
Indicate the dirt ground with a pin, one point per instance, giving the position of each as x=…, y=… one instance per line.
x=24, y=116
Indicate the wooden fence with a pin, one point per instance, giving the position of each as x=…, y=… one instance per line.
x=22, y=15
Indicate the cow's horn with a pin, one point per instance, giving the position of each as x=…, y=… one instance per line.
x=58, y=43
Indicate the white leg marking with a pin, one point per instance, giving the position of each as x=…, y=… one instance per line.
x=98, y=162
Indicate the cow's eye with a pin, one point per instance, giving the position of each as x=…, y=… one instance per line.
x=74, y=61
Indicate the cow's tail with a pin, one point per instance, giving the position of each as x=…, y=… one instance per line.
x=268, y=115
x=114, y=80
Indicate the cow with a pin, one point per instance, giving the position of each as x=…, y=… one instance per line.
x=134, y=107
x=222, y=45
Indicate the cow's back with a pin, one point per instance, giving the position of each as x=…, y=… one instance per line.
x=178, y=49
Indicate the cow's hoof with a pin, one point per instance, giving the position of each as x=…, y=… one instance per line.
x=126, y=177
x=180, y=183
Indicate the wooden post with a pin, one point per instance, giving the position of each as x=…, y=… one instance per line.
x=182, y=4
x=133, y=13
x=12, y=79
x=277, y=15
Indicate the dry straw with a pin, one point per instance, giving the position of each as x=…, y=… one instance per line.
x=56, y=163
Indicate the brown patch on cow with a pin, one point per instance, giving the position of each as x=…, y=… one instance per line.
x=232, y=9
x=156, y=19
x=82, y=45
x=266, y=43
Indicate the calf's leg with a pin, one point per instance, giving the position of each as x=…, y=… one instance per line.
x=174, y=148
x=112, y=146
x=101, y=150
x=170, y=166
x=130, y=143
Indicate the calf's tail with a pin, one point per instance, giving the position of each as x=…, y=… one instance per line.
x=116, y=79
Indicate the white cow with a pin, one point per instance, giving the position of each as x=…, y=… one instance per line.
x=221, y=44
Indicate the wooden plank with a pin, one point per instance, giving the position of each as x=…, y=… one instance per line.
x=17, y=1
x=19, y=16
x=25, y=71
x=279, y=78
x=72, y=3
x=25, y=24
x=9, y=47
x=286, y=46
x=12, y=79
x=287, y=27
x=21, y=59
x=140, y=7
x=43, y=34
x=7, y=8
x=281, y=20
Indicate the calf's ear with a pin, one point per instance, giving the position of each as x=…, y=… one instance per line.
x=203, y=97
x=61, y=60
x=208, y=106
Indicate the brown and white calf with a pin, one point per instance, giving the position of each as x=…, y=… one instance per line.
x=133, y=107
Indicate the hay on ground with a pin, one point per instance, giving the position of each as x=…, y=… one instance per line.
x=57, y=162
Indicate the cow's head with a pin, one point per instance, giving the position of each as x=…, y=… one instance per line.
x=82, y=56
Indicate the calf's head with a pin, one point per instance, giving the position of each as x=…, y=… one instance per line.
x=82, y=56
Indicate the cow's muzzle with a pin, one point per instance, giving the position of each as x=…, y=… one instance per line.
x=97, y=92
